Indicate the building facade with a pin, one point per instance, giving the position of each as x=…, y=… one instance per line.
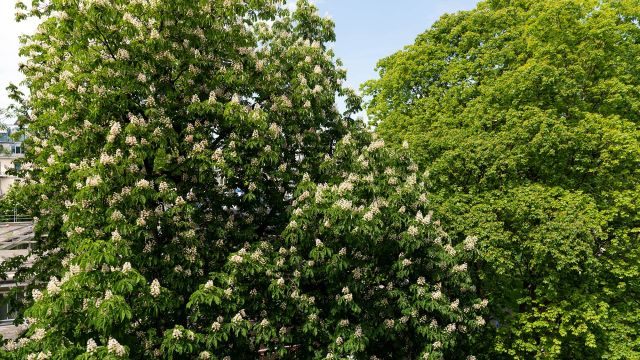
x=16, y=232
x=10, y=150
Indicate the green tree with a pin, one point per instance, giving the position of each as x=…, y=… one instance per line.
x=526, y=113
x=361, y=271
x=166, y=142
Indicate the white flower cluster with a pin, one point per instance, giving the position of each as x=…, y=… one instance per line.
x=114, y=347
x=344, y=204
x=143, y=184
x=424, y=219
x=36, y=294
x=346, y=294
x=460, y=267
x=155, y=288
x=53, y=287
x=115, y=236
x=39, y=356
x=483, y=304
x=216, y=326
x=470, y=243
x=378, y=144
x=237, y=318
x=450, y=250
x=345, y=187
x=113, y=132
x=94, y=180
x=91, y=345
x=38, y=334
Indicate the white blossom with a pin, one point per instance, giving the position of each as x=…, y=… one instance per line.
x=113, y=346
x=376, y=145
x=236, y=318
x=470, y=243
x=131, y=140
x=216, y=326
x=481, y=305
x=155, y=288
x=94, y=180
x=91, y=345
x=38, y=334
x=208, y=285
x=122, y=54
x=115, y=236
x=117, y=215
x=53, y=287
x=344, y=204
x=460, y=268
x=143, y=184
x=450, y=250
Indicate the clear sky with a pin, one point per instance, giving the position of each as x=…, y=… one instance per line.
x=367, y=30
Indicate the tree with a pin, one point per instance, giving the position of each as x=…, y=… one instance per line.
x=361, y=271
x=526, y=115
x=166, y=143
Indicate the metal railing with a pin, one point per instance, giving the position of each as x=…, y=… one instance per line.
x=15, y=218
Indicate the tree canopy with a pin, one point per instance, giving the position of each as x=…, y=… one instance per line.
x=198, y=195
x=526, y=114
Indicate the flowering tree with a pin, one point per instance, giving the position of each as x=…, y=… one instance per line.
x=166, y=140
x=361, y=270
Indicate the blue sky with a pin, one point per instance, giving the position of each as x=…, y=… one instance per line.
x=367, y=30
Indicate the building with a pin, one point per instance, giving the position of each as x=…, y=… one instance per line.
x=16, y=231
x=10, y=150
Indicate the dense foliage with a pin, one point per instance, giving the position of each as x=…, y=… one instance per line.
x=361, y=270
x=527, y=113
x=194, y=200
